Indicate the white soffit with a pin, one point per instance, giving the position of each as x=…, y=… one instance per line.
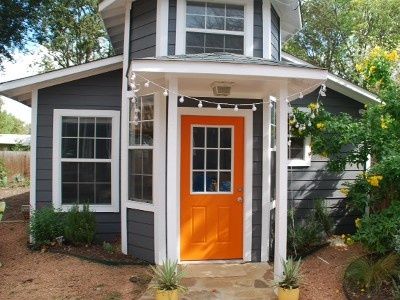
x=113, y=14
x=290, y=16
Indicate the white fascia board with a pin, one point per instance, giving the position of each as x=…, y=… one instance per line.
x=106, y=4
x=218, y=68
x=339, y=84
x=23, y=85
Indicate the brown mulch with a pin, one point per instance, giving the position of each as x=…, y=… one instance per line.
x=14, y=198
x=323, y=272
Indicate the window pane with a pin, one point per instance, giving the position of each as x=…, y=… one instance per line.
x=134, y=134
x=147, y=188
x=198, y=136
x=211, y=181
x=198, y=8
x=103, y=193
x=69, y=193
x=234, y=24
x=148, y=107
x=195, y=21
x=225, y=159
x=194, y=39
x=86, y=148
x=86, y=172
x=212, y=137
x=147, y=133
x=103, y=127
x=69, y=171
x=132, y=115
x=226, y=137
x=69, y=148
x=148, y=162
x=234, y=42
x=198, y=159
x=215, y=23
x=86, y=193
x=69, y=127
x=212, y=159
x=215, y=40
x=215, y=9
x=135, y=162
x=86, y=127
x=103, y=148
x=137, y=186
x=273, y=175
x=103, y=172
x=234, y=11
x=198, y=182
x=225, y=181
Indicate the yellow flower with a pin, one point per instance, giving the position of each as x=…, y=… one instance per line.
x=372, y=69
x=392, y=56
x=345, y=191
x=358, y=222
x=359, y=67
x=374, y=180
x=313, y=106
x=320, y=125
x=349, y=241
x=292, y=122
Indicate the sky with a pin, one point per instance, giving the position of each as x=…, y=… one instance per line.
x=21, y=67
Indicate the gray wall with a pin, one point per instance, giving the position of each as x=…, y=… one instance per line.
x=275, y=35
x=258, y=29
x=143, y=29
x=96, y=92
x=140, y=228
x=171, y=27
x=315, y=182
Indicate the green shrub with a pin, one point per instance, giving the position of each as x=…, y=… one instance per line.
x=80, y=225
x=370, y=273
x=46, y=224
x=321, y=215
x=377, y=232
x=168, y=277
x=108, y=247
x=3, y=174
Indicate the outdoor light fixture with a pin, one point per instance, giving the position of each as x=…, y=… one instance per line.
x=221, y=88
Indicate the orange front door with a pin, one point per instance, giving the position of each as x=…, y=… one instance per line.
x=212, y=159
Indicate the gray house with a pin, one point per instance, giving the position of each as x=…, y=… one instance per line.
x=180, y=142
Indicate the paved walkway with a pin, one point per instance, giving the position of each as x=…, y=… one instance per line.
x=250, y=281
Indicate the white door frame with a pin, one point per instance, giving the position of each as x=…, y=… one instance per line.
x=174, y=225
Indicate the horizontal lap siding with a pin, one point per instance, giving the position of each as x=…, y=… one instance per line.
x=140, y=227
x=316, y=182
x=96, y=92
x=275, y=35
x=258, y=30
x=143, y=29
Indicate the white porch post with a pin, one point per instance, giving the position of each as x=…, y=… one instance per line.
x=281, y=181
x=172, y=173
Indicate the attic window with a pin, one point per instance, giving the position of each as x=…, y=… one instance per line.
x=214, y=27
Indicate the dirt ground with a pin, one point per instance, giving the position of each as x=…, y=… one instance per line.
x=33, y=275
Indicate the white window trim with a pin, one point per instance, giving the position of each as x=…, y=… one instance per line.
x=248, y=25
x=306, y=161
x=57, y=135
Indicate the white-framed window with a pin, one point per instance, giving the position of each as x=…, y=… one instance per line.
x=299, y=154
x=212, y=159
x=86, y=159
x=141, y=146
x=214, y=26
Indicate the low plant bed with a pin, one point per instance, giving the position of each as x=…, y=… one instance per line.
x=97, y=253
x=311, y=249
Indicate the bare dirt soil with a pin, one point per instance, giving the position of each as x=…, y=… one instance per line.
x=323, y=272
x=34, y=275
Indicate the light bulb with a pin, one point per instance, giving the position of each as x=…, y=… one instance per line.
x=165, y=93
x=322, y=93
x=147, y=84
x=287, y=100
x=254, y=108
x=271, y=105
x=219, y=107
x=181, y=99
x=200, y=105
x=301, y=95
x=236, y=108
x=133, y=76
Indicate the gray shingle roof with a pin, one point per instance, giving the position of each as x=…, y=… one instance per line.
x=224, y=57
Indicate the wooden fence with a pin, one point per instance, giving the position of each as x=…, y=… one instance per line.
x=16, y=162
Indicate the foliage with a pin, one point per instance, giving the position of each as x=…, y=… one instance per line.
x=10, y=124
x=20, y=147
x=291, y=274
x=321, y=215
x=377, y=231
x=80, y=225
x=108, y=247
x=337, y=33
x=46, y=224
x=3, y=174
x=370, y=273
x=168, y=277
x=72, y=31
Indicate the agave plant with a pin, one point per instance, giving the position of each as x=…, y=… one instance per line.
x=168, y=277
x=291, y=274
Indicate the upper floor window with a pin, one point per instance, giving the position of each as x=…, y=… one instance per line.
x=214, y=27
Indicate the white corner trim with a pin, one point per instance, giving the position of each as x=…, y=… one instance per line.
x=162, y=28
x=248, y=171
x=32, y=194
x=249, y=28
x=266, y=15
x=57, y=127
x=180, y=38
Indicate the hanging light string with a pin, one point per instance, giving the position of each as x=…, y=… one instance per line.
x=200, y=102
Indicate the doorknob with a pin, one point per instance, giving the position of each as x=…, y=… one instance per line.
x=239, y=199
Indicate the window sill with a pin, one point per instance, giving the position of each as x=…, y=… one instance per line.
x=140, y=205
x=299, y=163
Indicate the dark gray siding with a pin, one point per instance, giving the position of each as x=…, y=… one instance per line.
x=315, y=182
x=141, y=234
x=96, y=92
x=143, y=29
x=171, y=27
x=275, y=35
x=257, y=171
x=258, y=29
